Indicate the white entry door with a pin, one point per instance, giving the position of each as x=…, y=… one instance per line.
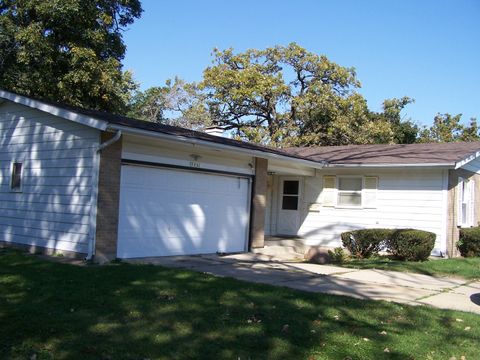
x=175, y=212
x=288, y=221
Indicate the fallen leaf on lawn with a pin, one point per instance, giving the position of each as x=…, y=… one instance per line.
x=366, y=339
x=467, y=328
x=383, y=332
x=386, y=350
x=336, y=317
x=313, y=331
x=459, y=320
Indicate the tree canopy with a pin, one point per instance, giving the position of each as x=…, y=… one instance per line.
x=286, y=95
x=177, y=103
x=68, y=51
x=448, y=128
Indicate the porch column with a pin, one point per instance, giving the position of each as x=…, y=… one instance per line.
x=108, y=200
x=259, y=203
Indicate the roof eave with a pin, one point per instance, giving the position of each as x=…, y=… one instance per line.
x=54, y=110
x=393, y=165
x=467, y=159
x=189, y=140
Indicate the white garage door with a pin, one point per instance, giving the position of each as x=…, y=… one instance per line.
x=173, y=212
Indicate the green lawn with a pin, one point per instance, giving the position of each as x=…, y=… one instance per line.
x=468, y=268
x=50, y=310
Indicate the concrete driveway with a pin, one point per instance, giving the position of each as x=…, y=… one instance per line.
x=408, y=288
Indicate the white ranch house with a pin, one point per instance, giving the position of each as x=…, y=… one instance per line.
x=97, y=185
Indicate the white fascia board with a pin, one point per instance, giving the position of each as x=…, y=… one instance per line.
x=54, y=110
x=466, y=160
x=416, y=165
x=188, y=140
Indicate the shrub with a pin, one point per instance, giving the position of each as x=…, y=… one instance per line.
x=411, y=244
x=469, y=243
x=337, y=255
x=366, y=242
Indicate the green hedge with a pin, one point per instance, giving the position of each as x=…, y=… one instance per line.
x=411, y=244
x=404, y=244
x=366, y=242
x=469, y=243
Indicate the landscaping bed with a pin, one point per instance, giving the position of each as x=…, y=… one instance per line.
x=50, y=310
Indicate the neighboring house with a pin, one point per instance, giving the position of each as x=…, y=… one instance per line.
x=95, y=184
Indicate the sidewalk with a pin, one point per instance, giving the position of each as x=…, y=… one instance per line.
x=408, y=288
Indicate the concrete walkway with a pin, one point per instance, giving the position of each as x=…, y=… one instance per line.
x=408, y=288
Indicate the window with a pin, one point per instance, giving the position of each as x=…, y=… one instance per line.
x=466, y=201
x=16, y=179
x=350, y=191
x=290, y=195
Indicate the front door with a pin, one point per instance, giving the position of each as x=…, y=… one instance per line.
x=288, y=221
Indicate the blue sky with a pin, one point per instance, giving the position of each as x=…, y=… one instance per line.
x=428, y=50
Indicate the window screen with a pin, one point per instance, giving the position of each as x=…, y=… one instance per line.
x=349, y=191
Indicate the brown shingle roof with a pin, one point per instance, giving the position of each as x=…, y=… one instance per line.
x=429, y=153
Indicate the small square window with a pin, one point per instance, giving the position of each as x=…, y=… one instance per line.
x=290, y=187
x=16, y=180
x=290, y=202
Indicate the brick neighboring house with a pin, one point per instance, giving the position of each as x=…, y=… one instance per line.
x=98, y=185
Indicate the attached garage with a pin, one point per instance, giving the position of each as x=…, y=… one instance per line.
x=168, y=211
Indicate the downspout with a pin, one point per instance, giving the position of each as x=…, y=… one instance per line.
x=94, y=194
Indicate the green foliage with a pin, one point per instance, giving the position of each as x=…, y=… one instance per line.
x=337, y=255
x=405, y=131
x=177, y=103
x=68, y=51
x=286, y=95
x=411, y=244
x=469, y=242
x=448, y=128
x=365, y=242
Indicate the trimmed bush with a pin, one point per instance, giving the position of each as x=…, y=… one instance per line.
x=366, y=242
x=469, y=243
x=337, y=255
x=411, y=244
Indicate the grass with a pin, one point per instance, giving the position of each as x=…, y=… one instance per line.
x=468, y=268
x=50, y=310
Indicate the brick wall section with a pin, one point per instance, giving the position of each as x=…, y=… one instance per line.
x=452, y=227
x=108, y=200
x=259, y=204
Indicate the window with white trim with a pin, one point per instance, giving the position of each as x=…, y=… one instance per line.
x=466, y=201
x=350, y=191
x=16, y=176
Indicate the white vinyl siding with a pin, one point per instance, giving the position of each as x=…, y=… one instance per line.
x=53, y=208
x=403, y=199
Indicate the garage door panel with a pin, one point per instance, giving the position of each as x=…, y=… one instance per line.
x=169, y=212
